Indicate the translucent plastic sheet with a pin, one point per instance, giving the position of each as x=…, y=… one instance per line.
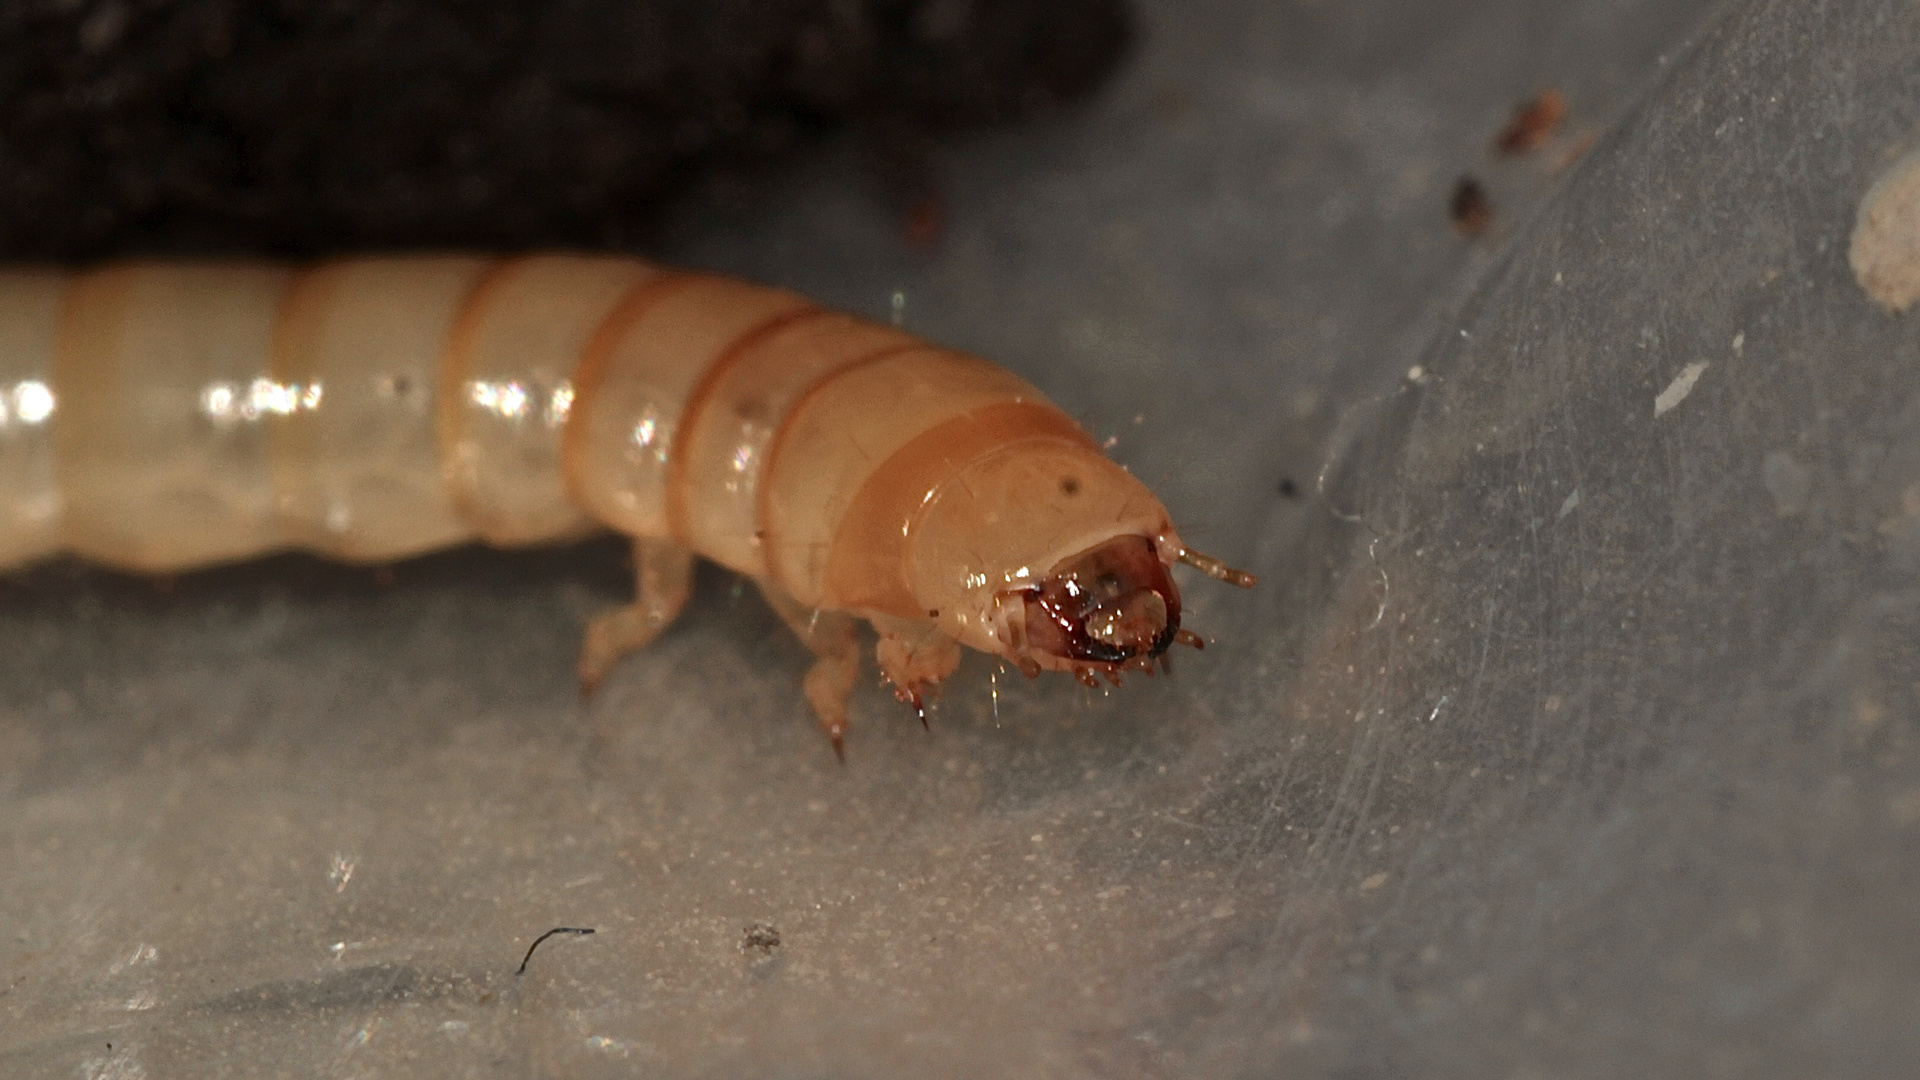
x=1573, y=731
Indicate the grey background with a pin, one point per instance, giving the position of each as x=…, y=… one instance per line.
x=1484, y=780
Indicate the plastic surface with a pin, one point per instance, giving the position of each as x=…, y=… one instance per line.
x=1572, y=732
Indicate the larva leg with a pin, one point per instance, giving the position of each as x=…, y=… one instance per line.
x=834, y=638
x=663, y=577
x=915, y=658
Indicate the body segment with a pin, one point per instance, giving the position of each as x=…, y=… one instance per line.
x=161, y=416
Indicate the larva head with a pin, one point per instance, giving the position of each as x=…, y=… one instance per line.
x=1106, y=605
x=1048, y=554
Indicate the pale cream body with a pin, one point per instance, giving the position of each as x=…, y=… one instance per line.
x=164, y=416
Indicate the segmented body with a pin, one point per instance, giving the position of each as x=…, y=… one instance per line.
x=161, y=416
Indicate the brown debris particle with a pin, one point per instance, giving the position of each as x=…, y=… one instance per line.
x=1469, y=209
x=1533, y=123
x=760, y=938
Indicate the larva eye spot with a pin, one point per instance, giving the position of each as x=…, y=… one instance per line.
x=1106, y=605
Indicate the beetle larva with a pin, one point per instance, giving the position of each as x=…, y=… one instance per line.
x=158, y=416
